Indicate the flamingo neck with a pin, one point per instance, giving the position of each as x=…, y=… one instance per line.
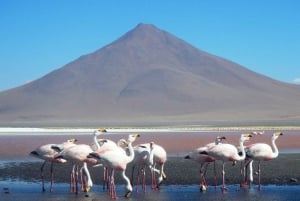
x=96, y=141
x=274, y=148
x=243, y=156
x=87, y=173
x=151, y=155
x=131, y=152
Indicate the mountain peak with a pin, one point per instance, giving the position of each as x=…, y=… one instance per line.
x=148, y=74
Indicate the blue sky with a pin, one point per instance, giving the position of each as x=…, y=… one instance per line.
x=37, y=37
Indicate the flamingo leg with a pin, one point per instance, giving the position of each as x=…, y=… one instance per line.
x=72, y=180
x=244, y=169
x=215, y=176
x=76, y=179
x=105, y=178
x=204, y=175
x=143, y=178
x=259, y=181
x=51, y=180
x=112, y=188
x=42, y=176
x=223, y=177
x=250, y=165
x=153, y=178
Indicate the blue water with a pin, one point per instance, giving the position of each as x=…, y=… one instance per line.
x=23, y=191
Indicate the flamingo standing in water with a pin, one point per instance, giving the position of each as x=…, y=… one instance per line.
x=46, y=153
x=117, y=159
x=227, y=152
x=143, y=157
x=261, y=152
x=160, y=159
x=77, y=155
x=204, y=160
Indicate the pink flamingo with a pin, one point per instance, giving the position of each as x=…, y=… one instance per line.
x=261, y=152
x=227, y=152
x=117, y=159
x=204, y=160
x=46, y=153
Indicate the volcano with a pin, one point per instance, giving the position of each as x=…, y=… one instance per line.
x=149, y=76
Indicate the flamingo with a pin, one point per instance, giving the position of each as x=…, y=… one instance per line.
x=117, y=159
x=46, y=153
x=160, y=158
x=204, y=160
x=261, y=152
x=143, y=157
x=227, y=152
x=77, y=155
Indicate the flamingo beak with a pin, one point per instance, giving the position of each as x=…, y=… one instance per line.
x=73, y=140
x=136, y=135
x=102, y=130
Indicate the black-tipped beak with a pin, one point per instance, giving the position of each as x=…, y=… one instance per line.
x=93, y=155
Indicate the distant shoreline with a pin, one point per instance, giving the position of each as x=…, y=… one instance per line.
x=120, y=129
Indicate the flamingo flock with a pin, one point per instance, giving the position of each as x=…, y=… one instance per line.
x=114, y=157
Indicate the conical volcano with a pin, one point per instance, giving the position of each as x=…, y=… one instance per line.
x=150, y=75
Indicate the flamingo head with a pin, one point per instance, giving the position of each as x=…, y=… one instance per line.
x=132, y=137
x=100, y=131
x=72, y=140
x=276, y=135
x=245, y=137
x=219, y=139
x=122, y=143
x=151, y=145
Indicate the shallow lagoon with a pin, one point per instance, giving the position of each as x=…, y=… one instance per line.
x=20, y=173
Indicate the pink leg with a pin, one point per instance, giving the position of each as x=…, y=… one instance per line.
x=259, y=170
x=144, y=178
x=215, y=175
x=42, y=176
x=223, y=177
x=51, y=181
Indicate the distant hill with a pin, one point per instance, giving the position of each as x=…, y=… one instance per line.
x=150, y=76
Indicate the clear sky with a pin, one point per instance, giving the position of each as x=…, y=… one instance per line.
x=39, y=36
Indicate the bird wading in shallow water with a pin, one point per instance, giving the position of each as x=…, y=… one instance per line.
x=204, y=160
x=117, y=159
x=46, y=153
x=227, y=152
x=261, y=152
x=77, y=155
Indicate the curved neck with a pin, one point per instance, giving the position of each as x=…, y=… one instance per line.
x=274, y=148
x=151, y=155
x=96, y=141
x=131, y=152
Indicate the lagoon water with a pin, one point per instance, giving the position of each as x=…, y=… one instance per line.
x=24, y=191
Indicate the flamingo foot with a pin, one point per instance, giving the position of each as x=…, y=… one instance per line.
x=203, y=188
x=244, y=184
x=224, y=189
x=87, y=189
x=164, y=176
x=128, y=194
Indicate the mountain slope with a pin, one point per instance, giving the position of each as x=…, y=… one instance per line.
x=150, y=75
